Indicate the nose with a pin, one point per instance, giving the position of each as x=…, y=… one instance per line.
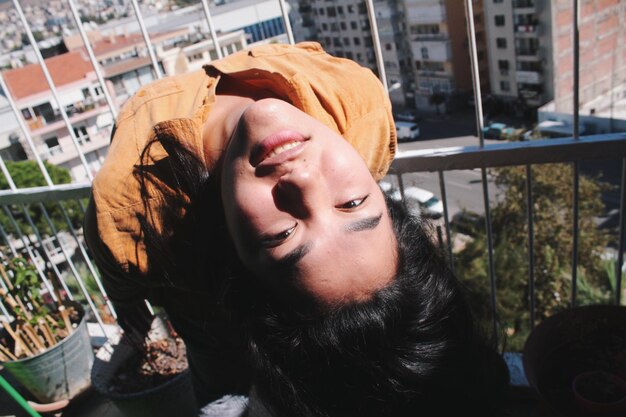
x=300, y=191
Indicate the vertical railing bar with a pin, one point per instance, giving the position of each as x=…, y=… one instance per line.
x=146, y=38
x=376, y=43
x=576, y=55
x=531, y=244
x=6, y=239
x=43, y=248
x=88, y=261
x=576, y=165
x=444, y=200
x=620, y=246
x=469, y=16
x=209, y=20
x=79, y=279
x=26, y=132
x=30, y=253
x=82, y=207
x=575, y=186
x=492, y=274
x=53, y=89
x=286, y=21
x=478, y=101
x=92, y=57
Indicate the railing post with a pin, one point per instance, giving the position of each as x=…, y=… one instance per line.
x=209, y=20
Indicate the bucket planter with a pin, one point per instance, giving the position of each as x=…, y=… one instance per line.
x=45, y=344
x=60, y=372
x=575, y=361
x=130, y=377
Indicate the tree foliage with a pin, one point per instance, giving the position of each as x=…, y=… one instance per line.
x=552, y=194
x=26, y=174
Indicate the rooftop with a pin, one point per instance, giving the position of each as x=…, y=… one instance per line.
x=64, y=69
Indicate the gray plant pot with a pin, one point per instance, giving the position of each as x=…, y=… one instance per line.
x=172, y=398
x=61, y=372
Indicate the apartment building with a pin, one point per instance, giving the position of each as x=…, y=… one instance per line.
x=437, y=30
x=82, y=99
x=126, y=63
x=521, y=64
x=342, y=27
x=602, y=71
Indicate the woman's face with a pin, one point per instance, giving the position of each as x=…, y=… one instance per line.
x=302, y=207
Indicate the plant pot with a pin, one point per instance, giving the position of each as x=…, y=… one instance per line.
x=61, y=372
x=175, y=397
x=573, y=343
x=600, y=392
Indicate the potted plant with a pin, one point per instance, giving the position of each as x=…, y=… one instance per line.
x=46, y=346
x=576, y=361
x=147, y=378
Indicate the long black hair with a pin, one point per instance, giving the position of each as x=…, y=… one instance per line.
x=411, y=348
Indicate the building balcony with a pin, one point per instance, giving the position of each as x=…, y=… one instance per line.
x=80, y=112
x=529, y=30
x=523, y=4
x=526, y=53
x=529, y=77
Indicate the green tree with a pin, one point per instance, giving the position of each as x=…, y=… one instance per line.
x=26, y=174
x=552, y=214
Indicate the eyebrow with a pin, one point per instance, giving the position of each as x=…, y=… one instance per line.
x=292, y=258
x=368, y=223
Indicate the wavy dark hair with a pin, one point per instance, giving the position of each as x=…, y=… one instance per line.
x=413, y=347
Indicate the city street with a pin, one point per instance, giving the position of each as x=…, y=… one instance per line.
x=464, y=189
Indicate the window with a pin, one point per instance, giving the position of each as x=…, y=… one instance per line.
x=331, y=11
x=349, y=55
x=336, y=42
x=98, y=90
x=503, y=66
x=388, y=47
x=501, y=43
x=357, y=41
x=424, y=52
x=340, y=9
x=505, y=86
x=322, y=11
x=333, y=27
x=350, y=8
x=343, y=25
x=346, y=41
x=86, y=93
x=497, y=1
x=81, y=135
x=53, y=145
x=354, y=25
x=499, y=19
x=324, y=26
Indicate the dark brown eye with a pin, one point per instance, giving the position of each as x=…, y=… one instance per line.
x=352, y=204
x=278, y=238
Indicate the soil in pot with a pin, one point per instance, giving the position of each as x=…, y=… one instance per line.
x=599, y=350
x=163, y=360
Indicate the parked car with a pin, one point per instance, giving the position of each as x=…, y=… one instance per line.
x=428, y=204
x=406, y=116
x=407, y=131
x=418, y=201
x=467, y=222
x=497, y=131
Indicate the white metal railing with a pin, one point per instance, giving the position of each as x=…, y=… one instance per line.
x=570, y=150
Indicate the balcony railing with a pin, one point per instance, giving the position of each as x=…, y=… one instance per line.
x=24, y=237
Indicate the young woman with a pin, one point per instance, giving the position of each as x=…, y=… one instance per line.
x=246, y=193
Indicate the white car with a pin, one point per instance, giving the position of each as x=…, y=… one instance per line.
x=418, y=201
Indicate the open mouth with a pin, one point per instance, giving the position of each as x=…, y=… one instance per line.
x=277, y=148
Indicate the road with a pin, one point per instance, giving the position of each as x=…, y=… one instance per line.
x=464, y=189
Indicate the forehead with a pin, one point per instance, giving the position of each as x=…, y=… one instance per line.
x=349, y=265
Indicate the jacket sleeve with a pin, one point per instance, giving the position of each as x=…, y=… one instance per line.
x=118, y=284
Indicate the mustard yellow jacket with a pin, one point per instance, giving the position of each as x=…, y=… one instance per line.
x=343, y=95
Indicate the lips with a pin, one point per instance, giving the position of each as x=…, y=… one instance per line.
x=277, y=148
